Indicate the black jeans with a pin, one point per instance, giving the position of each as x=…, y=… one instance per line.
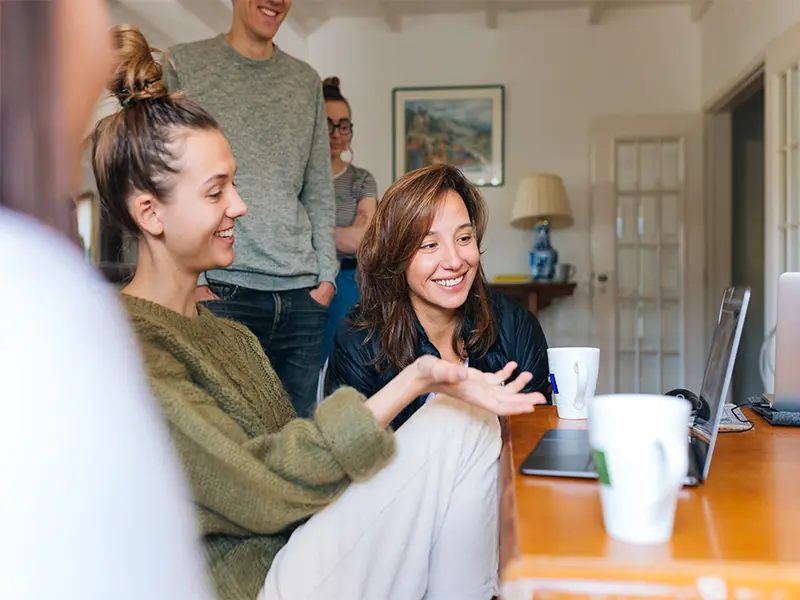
x=289, y=326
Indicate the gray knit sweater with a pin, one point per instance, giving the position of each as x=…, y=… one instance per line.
x=273, y=114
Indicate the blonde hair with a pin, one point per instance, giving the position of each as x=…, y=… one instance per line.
x=131, y=149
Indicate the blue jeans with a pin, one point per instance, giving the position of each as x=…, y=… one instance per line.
x=289, y=326
x=347, y=295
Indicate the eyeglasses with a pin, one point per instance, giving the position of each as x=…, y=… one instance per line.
x=344, y=126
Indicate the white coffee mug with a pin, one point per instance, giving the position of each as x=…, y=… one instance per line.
x=640, y=448
x=573, y=375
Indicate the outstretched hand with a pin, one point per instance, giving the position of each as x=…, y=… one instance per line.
x=481, y=389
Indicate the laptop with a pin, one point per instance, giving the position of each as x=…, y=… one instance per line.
x=787, y=345
x=566, y=452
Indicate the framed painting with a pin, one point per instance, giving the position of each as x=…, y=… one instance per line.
x=460, y=126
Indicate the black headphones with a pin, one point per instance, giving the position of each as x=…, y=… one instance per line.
x=700, y=407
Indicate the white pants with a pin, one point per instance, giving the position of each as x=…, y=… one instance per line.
x=425, y=527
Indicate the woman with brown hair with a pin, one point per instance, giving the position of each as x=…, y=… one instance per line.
x=334, y=506
x=423, y=292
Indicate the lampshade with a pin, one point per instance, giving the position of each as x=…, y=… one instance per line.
x=541, y=196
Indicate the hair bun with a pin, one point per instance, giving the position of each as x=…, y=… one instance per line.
x=332, y=82
x=137, y=75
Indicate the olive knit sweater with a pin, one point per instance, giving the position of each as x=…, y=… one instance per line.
x=255, y=470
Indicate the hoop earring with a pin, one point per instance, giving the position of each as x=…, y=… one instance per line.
x=349, y=160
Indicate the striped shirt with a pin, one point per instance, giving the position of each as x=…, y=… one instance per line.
x=351, y=187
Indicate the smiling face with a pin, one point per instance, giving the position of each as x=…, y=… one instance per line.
x=261, y=18
x=338, y=114
x=194, y=226
x=442, y=271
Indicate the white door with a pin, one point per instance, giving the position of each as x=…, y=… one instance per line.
x=782, y=138
x=648, y=252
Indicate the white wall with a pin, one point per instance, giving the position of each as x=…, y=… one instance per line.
x=291, y=42
x=735, y=33
x=559, y=73
x=735, y=36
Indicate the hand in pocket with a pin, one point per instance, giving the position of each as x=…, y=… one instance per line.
x=323, y=294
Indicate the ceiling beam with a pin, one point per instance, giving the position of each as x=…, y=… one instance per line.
x=375, y=8
x=306, y=17
x=392, y=16
x=298, y=23
x=217, y=16
x=169, y=17
x=124, y=14
x=596, y=11
x=699, y=8
x=492, y=15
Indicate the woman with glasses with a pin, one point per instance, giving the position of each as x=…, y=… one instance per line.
x=356, y=202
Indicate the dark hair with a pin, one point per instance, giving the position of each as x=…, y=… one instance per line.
x=332, y=92
x=131, y=148
x=33, y=170
x=395, y=234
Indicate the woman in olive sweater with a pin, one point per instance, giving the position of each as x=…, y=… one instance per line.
x=333, y=507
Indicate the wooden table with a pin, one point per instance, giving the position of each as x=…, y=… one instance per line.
x=535, y=295
x=741, y=529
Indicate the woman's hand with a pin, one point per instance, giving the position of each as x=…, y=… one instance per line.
x=430, y=374
x=481, y=389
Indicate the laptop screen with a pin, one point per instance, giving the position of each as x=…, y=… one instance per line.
x=719, y=370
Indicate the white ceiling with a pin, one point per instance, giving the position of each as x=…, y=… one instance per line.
x=166, y=22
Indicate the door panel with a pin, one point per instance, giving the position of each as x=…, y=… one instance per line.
x=782, y=165
x=648, y=251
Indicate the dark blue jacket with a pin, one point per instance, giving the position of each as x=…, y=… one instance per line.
x=519, y=338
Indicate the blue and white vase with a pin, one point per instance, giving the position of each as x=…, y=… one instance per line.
x=543, y=257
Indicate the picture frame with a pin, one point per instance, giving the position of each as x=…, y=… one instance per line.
x=87, y=215
x=463, y=126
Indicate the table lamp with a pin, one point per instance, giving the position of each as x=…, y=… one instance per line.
x=542, y=203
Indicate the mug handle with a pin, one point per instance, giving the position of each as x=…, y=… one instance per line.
x=583, y=379
x=675, y=465
x=571, y=272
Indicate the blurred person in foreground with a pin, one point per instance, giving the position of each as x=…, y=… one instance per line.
x=94, y=500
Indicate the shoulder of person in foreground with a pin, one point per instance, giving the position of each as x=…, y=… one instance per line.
x=215, y=347
x=76, y=414
x=248, y=460
x=522, y=339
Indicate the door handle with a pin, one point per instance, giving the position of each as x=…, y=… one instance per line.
x=602, y=278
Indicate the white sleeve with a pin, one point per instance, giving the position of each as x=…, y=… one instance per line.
x=93, y=500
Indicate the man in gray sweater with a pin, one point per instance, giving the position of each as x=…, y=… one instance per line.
x=271, y=109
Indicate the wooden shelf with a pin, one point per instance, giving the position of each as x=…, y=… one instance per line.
x=536, y=295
